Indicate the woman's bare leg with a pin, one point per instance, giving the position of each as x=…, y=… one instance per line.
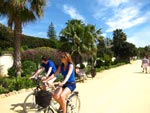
x=57, y=95
x=146, y=69
x=63, y=97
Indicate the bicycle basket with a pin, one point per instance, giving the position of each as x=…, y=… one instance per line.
x=43, y=98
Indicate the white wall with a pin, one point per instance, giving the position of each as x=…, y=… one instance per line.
x=6, y=61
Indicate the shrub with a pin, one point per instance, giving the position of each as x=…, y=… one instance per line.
x=35, y=54
x=10, y=49
x=82, y=66
x=107, y=59
x=0, y=51
x=23, y=82
x=2, y=89
x=99, y=63
x=9, y=84
x=11, y=72
x=59, y=78
x=25, y=47
x=28, y=67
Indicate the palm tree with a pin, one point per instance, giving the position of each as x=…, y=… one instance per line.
x=80, y=38
x=119, y=37
x=18, y=13
x=72, y=34
x=91, y=36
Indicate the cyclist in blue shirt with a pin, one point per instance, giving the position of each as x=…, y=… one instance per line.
x=68, y=84
x=49, y=67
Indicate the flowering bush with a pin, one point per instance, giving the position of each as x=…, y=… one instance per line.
x=36, y=54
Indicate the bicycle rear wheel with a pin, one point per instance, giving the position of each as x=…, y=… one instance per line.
x=73, y=104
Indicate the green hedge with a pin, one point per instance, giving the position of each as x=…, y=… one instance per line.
x=28, y=67
x=8, y=84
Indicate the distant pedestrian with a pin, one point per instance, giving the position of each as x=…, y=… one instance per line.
x=149, y=64
x=145, y=63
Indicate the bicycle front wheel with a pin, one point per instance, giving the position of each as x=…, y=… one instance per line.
x=30, y=105
x=49, y=110
x=73, y=104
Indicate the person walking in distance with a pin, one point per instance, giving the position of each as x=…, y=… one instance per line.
x=145, y=63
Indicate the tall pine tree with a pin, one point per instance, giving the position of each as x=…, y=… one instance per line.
x=51, y=32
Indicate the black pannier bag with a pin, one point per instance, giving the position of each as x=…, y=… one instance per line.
x=43, y=98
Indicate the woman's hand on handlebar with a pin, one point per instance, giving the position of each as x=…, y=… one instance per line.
x=61, y=84
x=49, y=84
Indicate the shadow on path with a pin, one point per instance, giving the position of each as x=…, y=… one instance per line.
x=139, y=72
x=142, y=72
x=15, y=106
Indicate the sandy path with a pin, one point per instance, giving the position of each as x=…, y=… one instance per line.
x=119, y=90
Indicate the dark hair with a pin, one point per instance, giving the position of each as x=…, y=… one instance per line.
x=44, y=58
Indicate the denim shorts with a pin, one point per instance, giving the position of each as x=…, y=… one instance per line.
x=71, y=86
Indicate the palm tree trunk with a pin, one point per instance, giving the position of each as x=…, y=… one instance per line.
x=17, y=47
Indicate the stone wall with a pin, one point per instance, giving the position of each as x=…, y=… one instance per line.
x=6, y=61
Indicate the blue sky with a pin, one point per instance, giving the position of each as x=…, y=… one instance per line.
x=132, y=16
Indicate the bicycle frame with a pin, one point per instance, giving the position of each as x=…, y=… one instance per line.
x=54, y=106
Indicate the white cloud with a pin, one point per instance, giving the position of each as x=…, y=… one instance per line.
x=111, y=3
x=41, y=33
x=100, y=14
x=35, y=34
x=104, y=35
x=116, y=3
x=141, y=37
x=126, y=18
x=72, y=12
x=49, y=4
x=104, y=7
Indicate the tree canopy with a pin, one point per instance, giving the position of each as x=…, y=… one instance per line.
x=51, y=32
x=122, y=49
x=80, y=39
x=19, y=12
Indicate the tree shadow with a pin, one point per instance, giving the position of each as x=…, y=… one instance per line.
x=19, y=107
x=15, y=107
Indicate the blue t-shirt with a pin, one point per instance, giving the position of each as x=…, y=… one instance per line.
x=65, y=72
x=48, y=65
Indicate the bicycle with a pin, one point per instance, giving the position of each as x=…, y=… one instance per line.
x=30, y=105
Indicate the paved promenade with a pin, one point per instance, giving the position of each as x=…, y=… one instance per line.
x=124, y=89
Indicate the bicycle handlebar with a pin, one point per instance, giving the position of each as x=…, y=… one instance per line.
x=38, y=81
